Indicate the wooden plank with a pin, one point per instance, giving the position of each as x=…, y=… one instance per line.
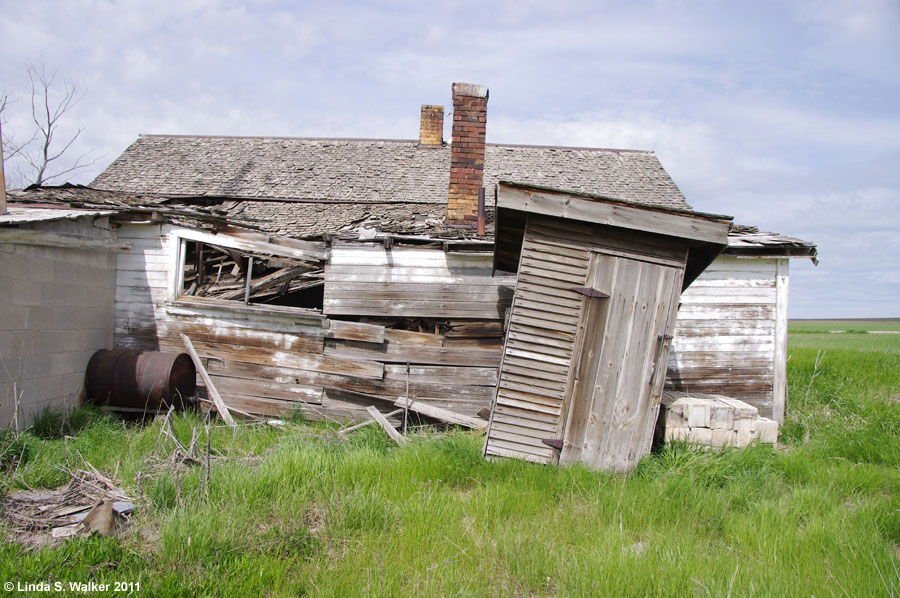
x=359, y=368
x=634, y=243
x=412, y=338
x=392, y=353
x=564, y=353
x=355, y=331
x=258, y=247
x=444, y=415
x=572, y=207
x=725, y=311
x=268, y=390
x=386, y=425
x=565, y=322
x=347, y=430
x=224, y=336
x=470, y=375
x=207, y=382
x=506, y=448
x=779, y=365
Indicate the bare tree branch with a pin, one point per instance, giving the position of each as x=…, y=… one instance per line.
x=44, y=152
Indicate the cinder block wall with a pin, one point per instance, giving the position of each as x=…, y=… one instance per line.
x=56, y=310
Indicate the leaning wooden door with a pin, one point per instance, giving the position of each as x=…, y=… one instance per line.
x=623, y=341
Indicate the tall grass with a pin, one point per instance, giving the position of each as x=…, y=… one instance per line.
x=298, y=512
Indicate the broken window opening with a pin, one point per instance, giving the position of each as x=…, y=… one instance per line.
x=227, y=274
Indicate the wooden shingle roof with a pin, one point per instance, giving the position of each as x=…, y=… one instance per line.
x=361, y=170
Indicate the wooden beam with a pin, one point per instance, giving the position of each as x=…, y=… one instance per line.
x=367, y=423
x=210, y=387
x=444, y=415
x=564, y=205
x=384, y=423
x=269, y=280
x=24, y=236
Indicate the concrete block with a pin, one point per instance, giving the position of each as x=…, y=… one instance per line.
x=768, y=430
x=64, y=273
x=13, y=317
x=76, y=296
x=677, y=434
x=98, y=338
x=66, y=363
x=700, y=436
x=722, y=437
x=677, y=406
x=41, y=318
x=26, y=292
x=23, y=343
x=40, y=269
x=746, y=423
x=698, y=416
x=673, y=419
x=744, y=437
x=10, y=369
x=741, y=409
x=36, y=367
x=721, y=416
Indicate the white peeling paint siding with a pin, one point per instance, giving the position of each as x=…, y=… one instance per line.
x=731, y=333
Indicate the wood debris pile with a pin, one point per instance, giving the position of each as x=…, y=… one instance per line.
x=223, y=273
x=89, y=502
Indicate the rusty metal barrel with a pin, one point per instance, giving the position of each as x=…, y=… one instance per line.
x=140, y=380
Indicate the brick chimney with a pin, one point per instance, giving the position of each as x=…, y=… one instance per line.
x=467, y=152
x=431, y=129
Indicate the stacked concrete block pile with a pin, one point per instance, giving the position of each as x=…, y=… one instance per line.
x=713, y=421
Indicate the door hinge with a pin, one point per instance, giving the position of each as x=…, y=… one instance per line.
x=556, y=443
x=589, y=292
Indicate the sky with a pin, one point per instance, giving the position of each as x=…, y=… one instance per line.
x=785, y=115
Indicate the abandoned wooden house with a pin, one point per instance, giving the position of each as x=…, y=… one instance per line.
x=328, y=274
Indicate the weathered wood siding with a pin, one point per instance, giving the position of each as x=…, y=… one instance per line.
x=141, y=279
x=541, y=339
x=727, y=332
x=271, y=360
x=546, y=320
x=367, y=280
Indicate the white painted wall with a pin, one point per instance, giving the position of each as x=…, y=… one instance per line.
x=731, y=333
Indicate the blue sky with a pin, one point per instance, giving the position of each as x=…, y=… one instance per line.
x=783, y=114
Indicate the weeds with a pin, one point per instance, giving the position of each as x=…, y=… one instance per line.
x=295, y=510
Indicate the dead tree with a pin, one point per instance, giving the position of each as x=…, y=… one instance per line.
x=43, y=151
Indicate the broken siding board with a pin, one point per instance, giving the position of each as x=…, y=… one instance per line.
x=391, y=353
x=355, y=331
x=250, y=387
x=483, y=376
x=412, y=338
x=236, y=339
x=301, y=361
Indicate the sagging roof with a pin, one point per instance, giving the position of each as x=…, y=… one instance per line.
x=34, y=200
x=390, y=171
x=313, y=219
x=749, y=240
x=16, y=214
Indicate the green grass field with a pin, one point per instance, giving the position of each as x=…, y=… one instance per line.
x=298, y=512
x=854, y=335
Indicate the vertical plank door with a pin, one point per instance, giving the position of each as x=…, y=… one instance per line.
x=614, y=391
